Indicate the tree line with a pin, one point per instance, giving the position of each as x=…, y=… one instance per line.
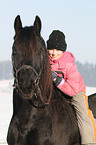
x=88, y=72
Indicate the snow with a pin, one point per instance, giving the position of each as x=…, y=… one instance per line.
x=6, y=106
x=90, y=90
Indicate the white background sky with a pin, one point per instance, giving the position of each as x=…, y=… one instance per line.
x=76, y=18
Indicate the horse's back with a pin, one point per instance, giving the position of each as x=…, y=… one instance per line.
x=92, y=103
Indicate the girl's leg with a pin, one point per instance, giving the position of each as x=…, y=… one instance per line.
x=85, y=119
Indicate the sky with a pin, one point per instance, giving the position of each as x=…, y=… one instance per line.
x=75, y=18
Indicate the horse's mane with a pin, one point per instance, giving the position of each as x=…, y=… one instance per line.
x=46, y=83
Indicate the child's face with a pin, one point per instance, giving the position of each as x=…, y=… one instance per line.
x=55, y=54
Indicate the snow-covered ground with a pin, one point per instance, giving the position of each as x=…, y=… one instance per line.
x=6, y=106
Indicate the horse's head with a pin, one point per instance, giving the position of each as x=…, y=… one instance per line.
x=30, y=60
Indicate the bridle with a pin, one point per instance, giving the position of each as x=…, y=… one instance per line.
x=36, y=83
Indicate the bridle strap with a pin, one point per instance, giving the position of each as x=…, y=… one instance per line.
x=16, y=78
x=27, y=67
x=36, y=82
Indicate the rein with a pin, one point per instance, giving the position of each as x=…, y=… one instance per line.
x=37, y=88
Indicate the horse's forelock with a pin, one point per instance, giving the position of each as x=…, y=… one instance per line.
x=26, y=42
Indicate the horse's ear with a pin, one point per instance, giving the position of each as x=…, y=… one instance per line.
x=37, y=25
x=17, y=24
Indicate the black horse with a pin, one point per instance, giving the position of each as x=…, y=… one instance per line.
x=41, y=113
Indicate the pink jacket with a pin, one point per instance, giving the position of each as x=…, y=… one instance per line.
x=74, y=82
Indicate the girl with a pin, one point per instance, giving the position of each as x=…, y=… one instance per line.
x=72, y=84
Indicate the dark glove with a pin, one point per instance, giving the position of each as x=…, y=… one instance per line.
x=56, y=79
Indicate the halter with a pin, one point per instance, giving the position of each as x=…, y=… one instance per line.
x=36, y=82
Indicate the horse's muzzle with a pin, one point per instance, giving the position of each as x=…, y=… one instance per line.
x=27, y=81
